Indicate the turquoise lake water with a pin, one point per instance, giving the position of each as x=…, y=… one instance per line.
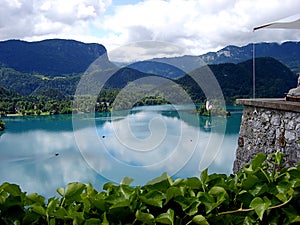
x=46, y=152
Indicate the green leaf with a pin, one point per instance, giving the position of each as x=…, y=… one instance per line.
x=74, y=189
x=90, y=189
x=279, y=158
x=60, y=213
x=250, y=181
x=256, y=164
x=207, y=200
x=156, y=180
x=203, y=178
x=126, y=191
x=109, y=186
x=12, y=189
x=153, y=198
x=185, y=203
x=75, y=215
x=105, y=221
x=126, y=181
x=200, y=220
x=99, y=201
x=258, y=160
x=52, y=221
x=260, y=206
x=3, y=197
x=210, y=207
x=173, y=192
x=161, y=183
x=248, y=221
x=259, y=189
x=38, y=209
x=61, y=191
x=153, y=202
x=86, y=204
x=193, y=209
x=296, y=219
x=219, y=193
x=144, y=217
x=193, y=183
x=29, y=218
x=92, y=221
x=51, y=206
x=178, y=181
x=291, y=213
x=120, y=204
x=160, y=200
x=284, y=191
x=166, y=218
x=35, y=198
x=216, y=191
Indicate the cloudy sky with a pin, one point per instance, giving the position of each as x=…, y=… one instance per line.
x=198, y=26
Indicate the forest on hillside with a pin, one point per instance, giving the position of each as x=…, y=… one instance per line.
x=34, y=94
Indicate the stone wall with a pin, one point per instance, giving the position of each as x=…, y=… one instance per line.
x=268, y=125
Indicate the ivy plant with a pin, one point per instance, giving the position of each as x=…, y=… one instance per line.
x=263, y=192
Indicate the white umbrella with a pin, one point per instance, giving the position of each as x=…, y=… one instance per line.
x=295, y=24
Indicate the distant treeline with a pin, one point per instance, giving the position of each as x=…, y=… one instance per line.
x=34, y=94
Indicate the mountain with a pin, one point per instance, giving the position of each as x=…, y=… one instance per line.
x=60, y=57
x=26, y=84
x=53, y=68
x=273, y=79
x=53, y=57
x=287, y=53
x=158, y=68
x=6, y=94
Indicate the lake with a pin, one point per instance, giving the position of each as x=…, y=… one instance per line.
x=43, y=153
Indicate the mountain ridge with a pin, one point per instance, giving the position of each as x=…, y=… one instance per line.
x=62, y=57
x=51, y=57
x=284, y=52
x=287, y=53
x=66, y=76
x=273, y=80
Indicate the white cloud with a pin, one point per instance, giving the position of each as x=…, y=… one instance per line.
x=198, y=26
x=145, y=50
x=36, y=20
x=35, y=165
x=168, y=145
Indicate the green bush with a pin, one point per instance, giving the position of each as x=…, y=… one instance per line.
x=262, y=193
x=2, y=125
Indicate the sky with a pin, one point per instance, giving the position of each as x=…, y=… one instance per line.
x=197, y=26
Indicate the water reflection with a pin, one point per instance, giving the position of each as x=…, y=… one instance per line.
x=41, y=154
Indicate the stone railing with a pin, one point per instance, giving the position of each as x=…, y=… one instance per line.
x=268, y=125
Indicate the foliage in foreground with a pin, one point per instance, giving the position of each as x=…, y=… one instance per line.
x=262, y=193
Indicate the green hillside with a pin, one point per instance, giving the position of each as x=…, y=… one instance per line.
x=273, y=79
x=53, y=57
x=35, y=93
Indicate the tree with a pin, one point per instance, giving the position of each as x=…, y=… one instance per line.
x=2, y=125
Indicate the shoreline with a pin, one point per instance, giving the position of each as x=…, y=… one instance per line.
x=19, y=114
